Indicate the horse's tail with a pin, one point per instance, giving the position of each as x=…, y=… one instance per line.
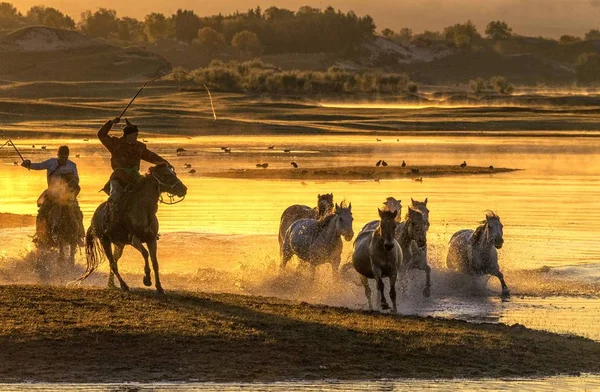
x=93, y=254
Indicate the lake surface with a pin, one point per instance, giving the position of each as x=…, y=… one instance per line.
x=223, y=236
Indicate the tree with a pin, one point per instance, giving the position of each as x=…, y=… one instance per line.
x=591, y=35
x=48, y=16
x=102, y=23
x=588, y=68
x=387, y=33
x=468, y=29
x=187, y=24
x=247, y=41
x=9, y=16
x=210, y=39
x=568, y=39
x=478, y=85
x=498, y=30
x=405, y=34
x=501, y=85
x=130, y=29
x=156, y=26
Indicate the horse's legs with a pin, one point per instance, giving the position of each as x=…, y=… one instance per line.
x=137, y=244
x=286, y=254
x=393, y=277
x=113, y=263
x=365, y=283
x=72, y=251
x=505, y=290
x=152, y=248
x=427, y=289
x=380, y=286
x=117, y=253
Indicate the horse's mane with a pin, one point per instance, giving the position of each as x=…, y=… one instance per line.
x=483, y=225
x=322, y=223
x=411, y=208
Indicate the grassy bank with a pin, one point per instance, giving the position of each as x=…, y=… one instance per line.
x=89, y=335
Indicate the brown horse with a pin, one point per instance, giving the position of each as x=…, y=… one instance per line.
x=297, y=211
x=139, y=225
x=58, y=219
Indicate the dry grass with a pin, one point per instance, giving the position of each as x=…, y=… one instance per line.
x=89, y=335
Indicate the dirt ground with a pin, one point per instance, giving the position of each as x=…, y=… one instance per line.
x=90, y=335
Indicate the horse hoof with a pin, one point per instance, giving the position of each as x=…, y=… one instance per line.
x=427, y=292
x=385, y=307
x=160, y=290
x=124, y=287
x=147, y=281
x=505, y=293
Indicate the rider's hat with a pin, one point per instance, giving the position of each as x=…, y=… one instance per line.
x=129, y=128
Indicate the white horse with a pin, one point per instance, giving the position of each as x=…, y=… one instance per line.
x=474, y=252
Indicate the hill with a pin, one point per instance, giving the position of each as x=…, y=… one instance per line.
x=40, y=53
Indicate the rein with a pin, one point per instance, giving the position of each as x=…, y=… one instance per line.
x=169, y=192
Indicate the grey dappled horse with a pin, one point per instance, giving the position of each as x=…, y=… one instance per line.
x=139, y=225
x=414, y=228
x=297, y=211
x=474, y=252
x=318, y=241
x=377, y=255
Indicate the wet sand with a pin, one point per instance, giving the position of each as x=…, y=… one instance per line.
x=8, y=220
x=89, y=335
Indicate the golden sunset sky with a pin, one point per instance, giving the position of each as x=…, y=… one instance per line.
x=528, y=17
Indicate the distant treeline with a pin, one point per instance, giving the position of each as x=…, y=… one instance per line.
x=274, y=30
x=258, y=77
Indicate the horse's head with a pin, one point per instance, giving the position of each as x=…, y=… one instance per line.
x=494, y=229
x=344, y=221
x=391, y=204
x=422, y=206
x=387, y=227
x=325, y=204
x=167, y=180
x=417, y=227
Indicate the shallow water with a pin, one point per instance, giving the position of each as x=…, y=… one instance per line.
x=582, y=383
x=223, y=236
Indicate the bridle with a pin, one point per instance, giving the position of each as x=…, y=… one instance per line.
x=169, y=190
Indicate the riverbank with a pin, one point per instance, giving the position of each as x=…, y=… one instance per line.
x=51, y=334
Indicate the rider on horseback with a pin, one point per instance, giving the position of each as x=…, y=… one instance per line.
x=126, y=154
x=60, y=172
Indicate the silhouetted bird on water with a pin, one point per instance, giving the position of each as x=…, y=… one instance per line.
x=77, y=155
x=294, y=164
x=223, y=148
x=464, y=164
x=378, y=140
x=187, y=165
x=43, y=147
x=403, y=164
x=33, y=146
x=228, y=150
x=15, y=163
x=491, y=167
x=287, y=150
x=180, y=149
x=378, y=163
x=86, y=139
x=419, y=179
x=271, y=147
x=192, y=171
x=414, y=170
x=265, y=165
x=145, y=141
x=377, y=179
x=383, y=163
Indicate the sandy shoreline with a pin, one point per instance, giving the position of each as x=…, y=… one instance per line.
x=90, y=335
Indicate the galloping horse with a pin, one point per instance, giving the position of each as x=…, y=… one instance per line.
x=318, y=241
x=414, y=228
x=376, y=255
x=297, y=211
x=140, y=225
x=475, y=252
x=59, y=227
